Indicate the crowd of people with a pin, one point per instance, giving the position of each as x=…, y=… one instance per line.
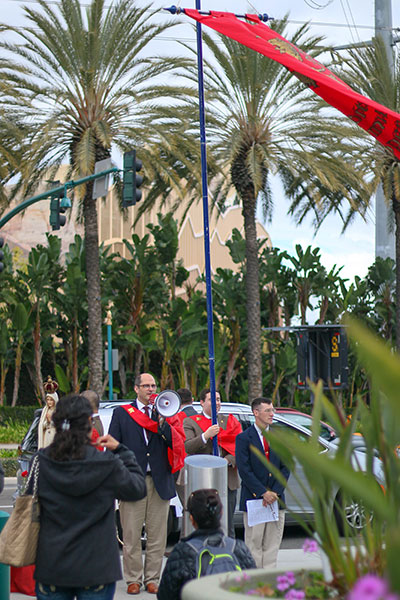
x=141, y=464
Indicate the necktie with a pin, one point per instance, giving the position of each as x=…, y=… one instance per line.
x=146, y=433
x=266, y=447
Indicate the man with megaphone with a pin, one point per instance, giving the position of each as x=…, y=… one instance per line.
x=154, y=433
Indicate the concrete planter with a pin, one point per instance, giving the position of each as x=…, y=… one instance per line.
x=216, y=587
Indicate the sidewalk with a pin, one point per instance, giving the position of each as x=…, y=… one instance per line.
x=287, y=560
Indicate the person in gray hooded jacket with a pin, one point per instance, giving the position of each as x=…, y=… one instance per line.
x=78, y=555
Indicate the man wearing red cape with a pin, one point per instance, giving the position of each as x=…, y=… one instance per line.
x=159, y=449
x=199, y=432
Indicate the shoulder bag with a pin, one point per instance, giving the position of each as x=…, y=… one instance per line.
x=19, y=537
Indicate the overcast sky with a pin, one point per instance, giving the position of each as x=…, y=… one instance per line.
x=341, y=22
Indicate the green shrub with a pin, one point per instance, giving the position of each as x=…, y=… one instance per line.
x=10, y=466
x=8, y=453
x=14, y=432
x=15, y=414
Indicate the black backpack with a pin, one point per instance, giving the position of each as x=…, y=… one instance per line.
x=211, y=559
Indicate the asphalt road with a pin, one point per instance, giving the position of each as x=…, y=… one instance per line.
x=6, y=500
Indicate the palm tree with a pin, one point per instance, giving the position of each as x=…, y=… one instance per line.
x=89, y=84
x=368, y=71
x=261, y=121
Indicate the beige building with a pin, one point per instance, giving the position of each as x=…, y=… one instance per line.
x=28, y=229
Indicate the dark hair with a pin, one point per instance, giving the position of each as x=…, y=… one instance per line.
x=185, y=395
x=93, y=398
x=72, y=422
x=205, y=506
x=137, y=381
x=258, y=401
x=204, y=393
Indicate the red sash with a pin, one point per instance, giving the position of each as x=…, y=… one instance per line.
x=226, y=437
x=176, y=454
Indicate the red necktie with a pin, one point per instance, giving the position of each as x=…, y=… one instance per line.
x=147, y=410
x=266, y=447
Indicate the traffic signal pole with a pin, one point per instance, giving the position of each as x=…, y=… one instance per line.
x=48, y=193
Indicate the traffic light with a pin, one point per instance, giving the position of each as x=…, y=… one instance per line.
x=1, y=254
x=131, y=180
x=58, y=203
x=57, y=217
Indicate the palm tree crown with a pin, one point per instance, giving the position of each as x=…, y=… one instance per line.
x=89, y=82
x=261, y=122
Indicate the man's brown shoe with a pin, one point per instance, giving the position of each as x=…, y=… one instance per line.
x=152, y=588
x=133, y=588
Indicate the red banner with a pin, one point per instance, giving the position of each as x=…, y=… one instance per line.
x=376, y=119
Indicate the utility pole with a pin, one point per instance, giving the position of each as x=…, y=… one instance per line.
x=384, y=239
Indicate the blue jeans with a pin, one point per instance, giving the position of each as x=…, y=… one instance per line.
x=95, y=592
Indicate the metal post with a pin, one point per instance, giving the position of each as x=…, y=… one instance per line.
x=4, y=569
x=384, y=239
x=206, y=471
x=203, y=148
x=110, y=358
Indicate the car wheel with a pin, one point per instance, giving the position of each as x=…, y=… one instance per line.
x=350, y=514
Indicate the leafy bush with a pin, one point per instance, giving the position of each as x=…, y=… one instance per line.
x=14, y=432
x=375, y=548
x=13, y=414
x=10, y=466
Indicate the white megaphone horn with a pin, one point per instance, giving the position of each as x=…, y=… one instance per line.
x=167, y=403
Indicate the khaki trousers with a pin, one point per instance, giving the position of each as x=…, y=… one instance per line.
x=152, y=511
x=264, y=540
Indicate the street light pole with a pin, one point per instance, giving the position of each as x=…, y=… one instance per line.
x=384, y=238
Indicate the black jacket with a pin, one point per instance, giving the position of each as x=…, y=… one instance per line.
x=124, y=429
x=181, y=565
x=77, y=540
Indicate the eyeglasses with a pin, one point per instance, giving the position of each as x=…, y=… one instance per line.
x=269, y=410
x=148, y=386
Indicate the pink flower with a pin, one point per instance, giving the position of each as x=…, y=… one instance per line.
x=282, y=583
x=242, y=578
x=295, y=595
x=285, y=581
x=371, y=587
x=310, y=546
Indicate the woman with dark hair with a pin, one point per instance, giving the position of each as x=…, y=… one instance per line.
x=78, y=555
x=205, y=510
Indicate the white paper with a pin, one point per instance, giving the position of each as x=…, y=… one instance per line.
x=257, y=513
x=178, y=506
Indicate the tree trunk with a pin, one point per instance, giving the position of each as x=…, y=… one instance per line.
x=37, y=354
x=254, y=368
x=93, y=292
x=75, y=377
x=17, y=372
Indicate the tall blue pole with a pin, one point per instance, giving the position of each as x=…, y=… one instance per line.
x=203, y=147
x=110, y=361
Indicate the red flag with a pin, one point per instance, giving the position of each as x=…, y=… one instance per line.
x=226, y=437
x=381, y=122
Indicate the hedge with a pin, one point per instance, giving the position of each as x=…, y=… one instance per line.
x=10, y=466
x=13, y=414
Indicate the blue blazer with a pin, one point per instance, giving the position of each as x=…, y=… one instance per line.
x=124, y=429
x=256, y=478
